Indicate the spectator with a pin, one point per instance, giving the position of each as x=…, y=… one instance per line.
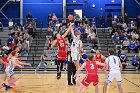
x=12, y=45
x=19, y=46
x=25, y=48
x=54, y=18
x=10, y=40
x=49, y=17
x=93, y=22
x=135, y=61
x=132, y=46
x=29, y=18
x=126, y=18
x=1, y=27
x=134, y=35
x=26, y=35
x=125, y=43
x=5, y=48
x=92, y=35
x=124, y=35
x=109, y=17
x=116, y=36
x=123, y=59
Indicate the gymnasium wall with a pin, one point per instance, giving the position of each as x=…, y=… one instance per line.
x=41, y=8
x=11, y=10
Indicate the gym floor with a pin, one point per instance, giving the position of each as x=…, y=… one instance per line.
x=46, y=82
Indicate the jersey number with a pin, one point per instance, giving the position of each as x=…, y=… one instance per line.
x=114, y=60
x=61, y=44
x=91, y=66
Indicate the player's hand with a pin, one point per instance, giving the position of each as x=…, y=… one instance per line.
x=75, y=76
x=20, y=66
x=50, y=48
x=71, y=24
x=29, y=64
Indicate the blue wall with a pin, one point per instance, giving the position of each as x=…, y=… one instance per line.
x=41, y=8
x=132, y=8
x=11, y=10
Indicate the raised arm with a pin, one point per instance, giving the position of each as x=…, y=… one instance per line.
x=53, y=44
x=66, y=33
x=72, y=32
x=81, y=45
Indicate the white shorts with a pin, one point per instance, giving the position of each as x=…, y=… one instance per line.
x=75, y=56
x=112, y=75
x=9, y=73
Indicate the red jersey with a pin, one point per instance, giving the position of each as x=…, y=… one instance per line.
x=5, y=60
x=92, y=76
x=61, y=44
x=62, y=54
x=100, y=59
x=91, y=67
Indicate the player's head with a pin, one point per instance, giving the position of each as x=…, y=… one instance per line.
x=111, y=51
x=14, y=53
x=57, y=35
x=98, y=52
x=90, y=57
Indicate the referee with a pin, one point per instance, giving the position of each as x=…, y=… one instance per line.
x=71, y=70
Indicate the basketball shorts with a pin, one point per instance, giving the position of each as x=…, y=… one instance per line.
x=61, y=56
x=112, y=75
x=75, y=56
x=90, y=79
x=8, y=72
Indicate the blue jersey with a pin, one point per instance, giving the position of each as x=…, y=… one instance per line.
x=122, y=56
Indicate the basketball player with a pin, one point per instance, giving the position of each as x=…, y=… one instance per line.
x=91, y=67
x=61, y=55
x=13, y=62
x=76, y=48
x=99, y=57
x=114, y=65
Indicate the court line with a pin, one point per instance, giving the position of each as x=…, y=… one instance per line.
x=132, y=82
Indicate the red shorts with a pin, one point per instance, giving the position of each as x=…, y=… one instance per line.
x=89, y=79
x=100, y=67
x=61, y=56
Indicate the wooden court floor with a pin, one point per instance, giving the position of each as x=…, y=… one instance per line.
x=47, y=83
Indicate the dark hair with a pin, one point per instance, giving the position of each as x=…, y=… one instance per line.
x=90, y=56
x=111, y=51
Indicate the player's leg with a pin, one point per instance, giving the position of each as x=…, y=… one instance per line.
x=4, y=77
x=58, y=69
x=96, y=89
x=80, y=88
x=120, y=88
x=105, y=87
x=119, y=81
x=108, y=80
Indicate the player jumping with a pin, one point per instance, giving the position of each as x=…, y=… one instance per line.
x=62, y=52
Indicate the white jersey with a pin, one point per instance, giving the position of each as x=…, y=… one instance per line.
x=113, y=62
x=75, y=45
x=9, y=69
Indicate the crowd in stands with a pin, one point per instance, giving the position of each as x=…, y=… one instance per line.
x=19, y=36
x=127, y=36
